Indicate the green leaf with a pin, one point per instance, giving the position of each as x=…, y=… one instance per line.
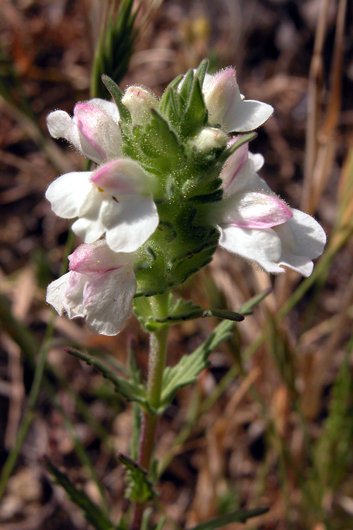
x=139, y=487
x=179, y=311
x=93, y=513
x=128, y=388
x=246, y=309
x=202, y=71
x=240, y=516
x=189, y=366
x=117, y=95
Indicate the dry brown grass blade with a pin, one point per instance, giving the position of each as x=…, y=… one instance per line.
x=321, y=144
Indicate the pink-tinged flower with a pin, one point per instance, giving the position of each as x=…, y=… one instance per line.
x=100, y=286
x=139, y=101
x=258, y=226
x=228, y=108
x=93, y=130
x=115, y=200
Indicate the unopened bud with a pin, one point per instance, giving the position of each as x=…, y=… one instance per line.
x=139, y=101
x=221, y=93
x=210, y=139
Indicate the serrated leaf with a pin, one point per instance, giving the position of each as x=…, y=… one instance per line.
x=93, y=513
x=202, y=71
x=117, y=95
x=180, y=311
x=128, y=388
x=189, y=366
x=240, y=516
x=139, y=487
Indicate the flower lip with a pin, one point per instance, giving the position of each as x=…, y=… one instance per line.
x=86, y=117
x=97, y=258
x=121, y=176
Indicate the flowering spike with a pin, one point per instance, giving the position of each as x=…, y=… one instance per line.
x=171, y=185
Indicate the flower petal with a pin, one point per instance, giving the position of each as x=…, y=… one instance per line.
x=97, y=258
x=221, y=93
x=108, y=107
x=246, y=115
x=61, y=125
x=122, y=176
x=73, y=301
x=89, y=227
x=129, y=226
x=303, y=239
x=66, y=294
x=68, y=193
x=56, y=293
x=108, y=300
x=234, y=164
x=261, y=246
x=100, y=135
x=252, y=209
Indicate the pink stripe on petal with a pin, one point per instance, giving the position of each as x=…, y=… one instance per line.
x=258, y=210
x=112, y=178
x=89, y=119
x=234, y=164
x=92, y=259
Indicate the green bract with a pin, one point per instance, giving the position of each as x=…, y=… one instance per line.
x=177, y=146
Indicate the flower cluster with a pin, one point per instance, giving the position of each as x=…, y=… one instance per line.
x=171, y=182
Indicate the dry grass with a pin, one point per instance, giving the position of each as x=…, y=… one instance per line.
x=270, y=424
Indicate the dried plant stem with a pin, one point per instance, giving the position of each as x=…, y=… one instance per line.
x=157, y=359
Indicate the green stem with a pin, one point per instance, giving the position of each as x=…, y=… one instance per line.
x=157, y=358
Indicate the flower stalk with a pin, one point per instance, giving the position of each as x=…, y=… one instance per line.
x=157, y=360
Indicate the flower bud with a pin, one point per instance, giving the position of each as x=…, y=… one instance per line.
x=221, y=94
x=139, y=101
x=209, y=139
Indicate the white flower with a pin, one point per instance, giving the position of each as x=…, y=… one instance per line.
x=258, y=226
x=93, y=130
x=100, y=287
x=228, y=108
x=115, y=199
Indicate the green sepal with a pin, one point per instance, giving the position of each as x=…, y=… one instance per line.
x=139, y=488
x=189, y=366
x=202, y=71
x=172, y=107
x=196, y=114
x=186, y=85
x=127, y=388
x=117, y=95
x=93, y=513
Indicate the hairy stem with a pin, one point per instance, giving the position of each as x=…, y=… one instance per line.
x=157, y=358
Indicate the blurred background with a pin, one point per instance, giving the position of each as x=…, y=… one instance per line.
x=270, y=424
